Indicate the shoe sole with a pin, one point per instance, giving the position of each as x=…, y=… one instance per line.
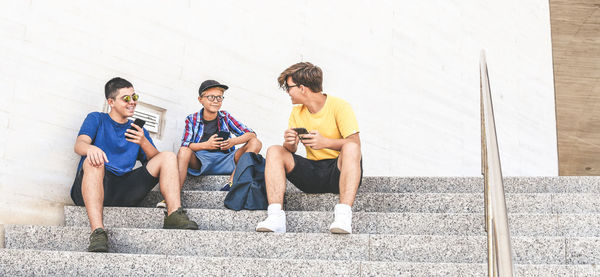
x=99, y=250
x=267, y=230
x=188, y=227
x=263, y=229
x=339, y=231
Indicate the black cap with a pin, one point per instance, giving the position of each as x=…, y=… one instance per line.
x=210, y=84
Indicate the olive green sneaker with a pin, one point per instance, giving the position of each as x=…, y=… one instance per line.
x=98, y=241
x=179, y=220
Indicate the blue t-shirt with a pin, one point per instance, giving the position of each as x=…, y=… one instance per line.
x=109, y=136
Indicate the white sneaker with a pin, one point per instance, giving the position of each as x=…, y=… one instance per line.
x=275, y=221
x=342, y=224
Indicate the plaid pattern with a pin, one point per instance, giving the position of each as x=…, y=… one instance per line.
x=194, y=127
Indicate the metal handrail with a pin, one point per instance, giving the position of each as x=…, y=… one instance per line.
x=500, y=258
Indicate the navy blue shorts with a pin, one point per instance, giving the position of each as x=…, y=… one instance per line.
x=127, y=190
x=321, y=176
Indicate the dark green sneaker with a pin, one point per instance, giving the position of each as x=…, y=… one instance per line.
x=98, y=241
x=179, y=220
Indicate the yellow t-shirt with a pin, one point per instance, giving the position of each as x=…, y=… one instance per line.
x=335, y=120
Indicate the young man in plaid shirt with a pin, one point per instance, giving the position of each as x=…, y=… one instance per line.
x=203, y=151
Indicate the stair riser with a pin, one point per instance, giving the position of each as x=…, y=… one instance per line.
x=45, y=263
x=588, y=184
x=571, y=225
x=542, y=203
x=389, y=248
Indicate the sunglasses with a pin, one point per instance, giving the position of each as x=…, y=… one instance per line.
x=128, y=98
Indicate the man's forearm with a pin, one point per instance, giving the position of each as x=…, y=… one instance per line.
x=197, y=146
x=149, y=149
x=245, y=138
x=336, y=144
x=81, y=148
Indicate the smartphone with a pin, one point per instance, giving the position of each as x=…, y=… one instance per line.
x=224, y=135
x=138, y=122
x=300, y=131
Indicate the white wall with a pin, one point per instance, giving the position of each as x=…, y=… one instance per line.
x=409, y=68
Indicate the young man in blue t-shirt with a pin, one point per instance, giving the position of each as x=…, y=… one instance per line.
x=110, y=144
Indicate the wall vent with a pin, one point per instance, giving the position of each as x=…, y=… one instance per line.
x=152, y=118
x=153, y=115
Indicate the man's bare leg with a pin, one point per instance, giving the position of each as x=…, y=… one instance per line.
x=349, y=166
x=92, y=190
x=279, y=162
x=186, y=158
x=164, y=166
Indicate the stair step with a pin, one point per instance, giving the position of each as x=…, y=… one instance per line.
x=18, y=262
x=297, y=222
x=356, y=247
x=571, y=225
x=408, y=202
x=562, y=184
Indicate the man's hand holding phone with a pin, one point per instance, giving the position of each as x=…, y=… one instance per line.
x=314, y=140
x=135, y=133
x=226, y=142
x=290, y=137
x=214, y=142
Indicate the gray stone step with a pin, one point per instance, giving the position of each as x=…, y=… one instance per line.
x=18, y=262
x=361, y=247
x=571, y=225
x=562, y=184
x=408, y=202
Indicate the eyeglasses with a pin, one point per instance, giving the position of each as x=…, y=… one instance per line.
x=128, y=98
x=287, y=88
x=212, y=98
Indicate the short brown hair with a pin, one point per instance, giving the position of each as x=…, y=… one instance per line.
x=304, y=73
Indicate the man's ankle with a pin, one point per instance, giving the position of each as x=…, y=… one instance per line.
x=274, y=208
x=94, y=227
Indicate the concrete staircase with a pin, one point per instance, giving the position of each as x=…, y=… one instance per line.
x=402, y=227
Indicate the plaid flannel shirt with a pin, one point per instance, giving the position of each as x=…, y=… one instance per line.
x=194, y=127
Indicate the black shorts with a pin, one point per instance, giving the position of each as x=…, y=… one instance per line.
x=321, y=176
x=127, y=190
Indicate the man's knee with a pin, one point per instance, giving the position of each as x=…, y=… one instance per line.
x=254, y=144
x=184, y=152
x=166, y=156
x=275, y=152
x=89, y=168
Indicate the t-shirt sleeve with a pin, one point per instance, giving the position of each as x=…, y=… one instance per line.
x=346, y=120
x=292, y=120
x=141, y=155
x=188, y=131
x=90, y=125
x=236, y=127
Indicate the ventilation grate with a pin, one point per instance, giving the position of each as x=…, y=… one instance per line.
x=151, y=117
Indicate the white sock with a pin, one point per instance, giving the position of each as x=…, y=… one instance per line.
x=274, y=209
x=343, y=208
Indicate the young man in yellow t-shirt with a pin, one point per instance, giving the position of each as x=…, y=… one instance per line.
x=333, y=162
